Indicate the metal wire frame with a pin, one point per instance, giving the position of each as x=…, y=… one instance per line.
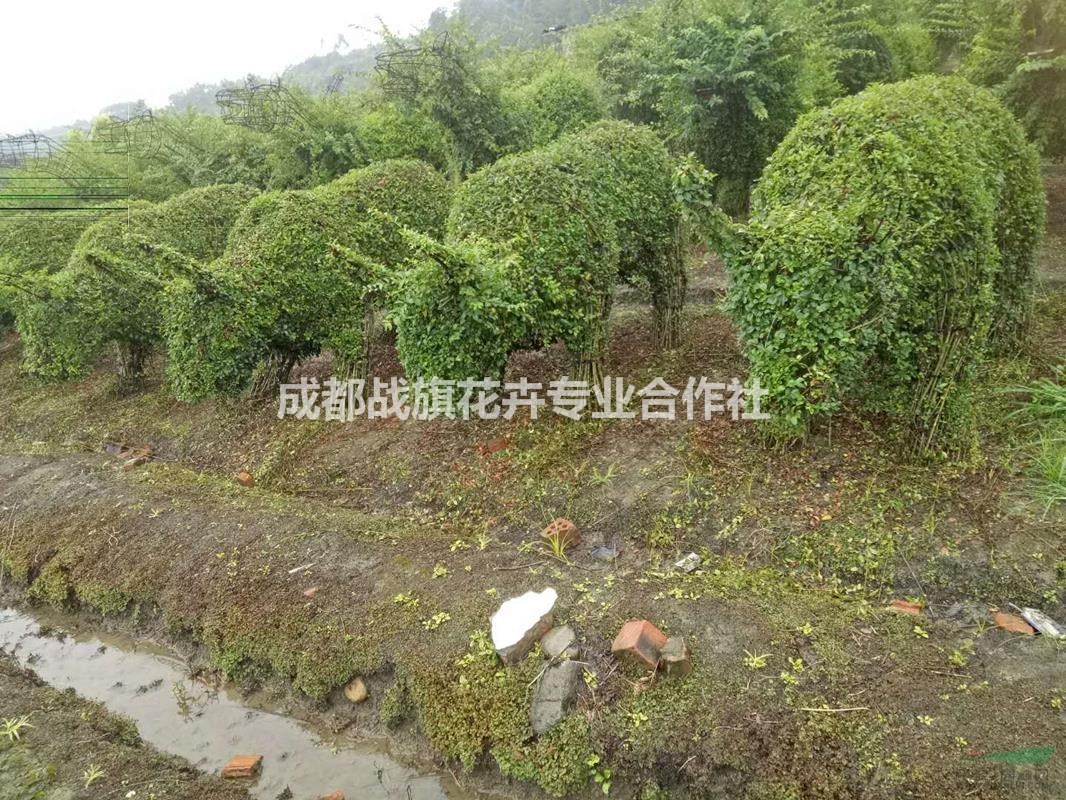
x=55, y=197
x=401, y=69
x=53, y=181
x=335, y=82
x=259, y=106
x=139, y=135
x=15, y=151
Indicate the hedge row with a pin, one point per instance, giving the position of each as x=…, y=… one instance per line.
x=891, y=245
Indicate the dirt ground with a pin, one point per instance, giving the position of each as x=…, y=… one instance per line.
x=804, y=686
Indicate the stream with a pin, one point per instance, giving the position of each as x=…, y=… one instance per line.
x=207, y=726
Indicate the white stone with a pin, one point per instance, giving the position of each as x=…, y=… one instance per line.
x=520, y=622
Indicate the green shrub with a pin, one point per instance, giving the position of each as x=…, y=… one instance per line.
x=892, y=236
x=287, y=285
x=1020, y=50
x=563, y=225
x=34, y=242
x=391, y=133
x=110, y=290
x=557, y=102
x=632, y=173
x=720, y=80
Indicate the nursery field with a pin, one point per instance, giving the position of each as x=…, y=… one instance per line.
x=647, y=399
x=804, y=684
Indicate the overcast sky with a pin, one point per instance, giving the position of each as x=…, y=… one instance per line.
x=64, y=60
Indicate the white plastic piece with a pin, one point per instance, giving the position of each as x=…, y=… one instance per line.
x=689, y=563
x=1043, y=623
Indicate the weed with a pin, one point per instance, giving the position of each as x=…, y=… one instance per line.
x=603, y=478
x=91, y=775
x=557, y=543
x=408, y=601
x=12, y=728
x=436, y=620
x=601, y=775
x=1045, y=410
x=755, y=660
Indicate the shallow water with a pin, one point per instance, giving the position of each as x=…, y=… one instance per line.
x=205, y=726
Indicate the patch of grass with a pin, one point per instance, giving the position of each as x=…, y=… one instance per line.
x=105, y=600
x=53, y=586
x=1045, y=411
x=473, y=703
x=558, y=762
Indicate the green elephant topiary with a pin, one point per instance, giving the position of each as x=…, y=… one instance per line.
x=110, y=290
x=298, y=275
x=34, y=242
x=536, y=244
x=891, y=244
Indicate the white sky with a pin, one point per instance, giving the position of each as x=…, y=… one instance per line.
x=64, y=60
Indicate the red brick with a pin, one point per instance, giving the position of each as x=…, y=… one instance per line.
x=245, y=479
x=564, y=530
x=640, y=641
x=336, y=795
x=242, y=767
x=1014, y=624
x=495, y=446
x=905, y=607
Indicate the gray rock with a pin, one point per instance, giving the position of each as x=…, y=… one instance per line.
x=689, y=563
x=560, y=641
x=605, y=553
x=554, y=695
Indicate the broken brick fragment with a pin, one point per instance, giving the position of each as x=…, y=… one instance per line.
x=245, y=479
x=675, y=657
x=905, y=607
x=1014, y=624
x=335, y=795
x=564, y=531
x=495, y=446
x=640, y=641
x=242, y=767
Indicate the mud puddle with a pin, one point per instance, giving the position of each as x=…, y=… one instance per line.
x=207, y=726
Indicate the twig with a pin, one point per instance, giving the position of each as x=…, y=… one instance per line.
x=303, y=568
x=836, y=710
x=10, y=540
x=520, y=566
x=915, y=576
